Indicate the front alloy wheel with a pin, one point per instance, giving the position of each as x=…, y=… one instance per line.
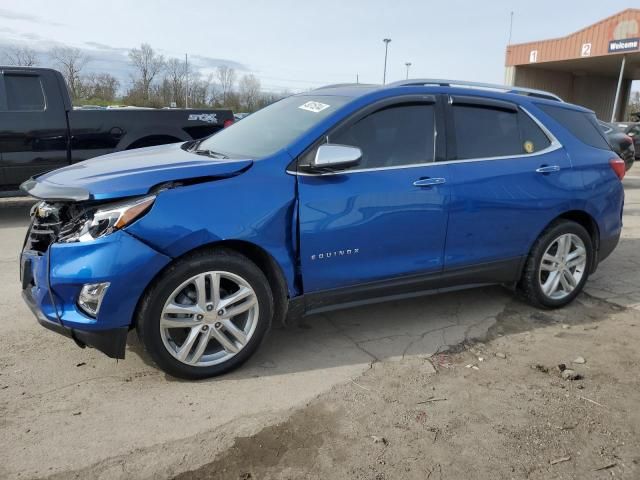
x=206, y=314
x=209, y=318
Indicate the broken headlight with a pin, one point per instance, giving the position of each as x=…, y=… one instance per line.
x=105, y=219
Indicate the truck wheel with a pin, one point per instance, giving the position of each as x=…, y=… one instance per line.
x=558, y=266
x=206, y=315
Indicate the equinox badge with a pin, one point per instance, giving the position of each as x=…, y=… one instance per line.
x=337, y=253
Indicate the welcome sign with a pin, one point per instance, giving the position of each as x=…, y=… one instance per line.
x=626, y=45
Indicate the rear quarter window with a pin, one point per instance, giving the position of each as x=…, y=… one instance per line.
x=584, y=126
x=24, y=93
x=488, y=132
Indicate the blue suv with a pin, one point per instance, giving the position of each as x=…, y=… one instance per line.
x=338, y=197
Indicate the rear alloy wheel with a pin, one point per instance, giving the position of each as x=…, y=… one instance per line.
x=563, y=265
x=558, y=265
x=206, y=314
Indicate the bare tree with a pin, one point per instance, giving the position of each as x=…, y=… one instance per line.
x=199, y=89
x=175, y=76
x=70, y=61
x=249, y=91
x=21, y=56
x=102, y=86
x=633, y=108
x=148, y=64
x=226, y=78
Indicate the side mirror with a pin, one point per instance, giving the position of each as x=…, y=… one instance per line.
x=336, y=156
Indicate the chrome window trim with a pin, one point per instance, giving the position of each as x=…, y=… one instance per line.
x=553, y=146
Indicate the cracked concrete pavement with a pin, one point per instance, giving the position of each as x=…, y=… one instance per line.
x=64, y=409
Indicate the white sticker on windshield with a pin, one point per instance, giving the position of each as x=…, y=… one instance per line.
x=314, y=107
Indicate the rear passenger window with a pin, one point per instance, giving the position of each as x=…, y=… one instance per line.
x=394, y=136
x=488, y=132
x=531, y=132
x=582, y=125
x=23, y=93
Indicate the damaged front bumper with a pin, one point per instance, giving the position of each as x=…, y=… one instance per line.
x=52, y=280
x=111, y=342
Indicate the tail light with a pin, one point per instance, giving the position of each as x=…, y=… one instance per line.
x=227, y=123
x=618, y=167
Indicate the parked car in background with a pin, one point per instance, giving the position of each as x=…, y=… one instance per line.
x=329, y=199
x=620, y=142
x=633, y=130
x=41, y=131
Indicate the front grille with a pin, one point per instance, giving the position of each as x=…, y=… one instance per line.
x=45, y=227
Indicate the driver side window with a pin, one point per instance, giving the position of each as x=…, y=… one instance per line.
x=394, y=136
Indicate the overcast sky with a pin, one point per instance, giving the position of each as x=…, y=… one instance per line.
x=300, y=44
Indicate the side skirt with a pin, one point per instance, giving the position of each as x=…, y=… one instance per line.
x=500, y=272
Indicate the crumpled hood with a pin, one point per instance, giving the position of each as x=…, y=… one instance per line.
x=129, y=173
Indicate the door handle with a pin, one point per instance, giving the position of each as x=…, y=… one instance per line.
x=427, y=182
x=548, y=169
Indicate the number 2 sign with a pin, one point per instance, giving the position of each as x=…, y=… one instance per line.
x=586, y=50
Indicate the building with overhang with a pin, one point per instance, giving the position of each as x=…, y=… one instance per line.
x=593, y=67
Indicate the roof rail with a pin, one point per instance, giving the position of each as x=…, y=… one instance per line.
x=485, y=86
x=352, y=84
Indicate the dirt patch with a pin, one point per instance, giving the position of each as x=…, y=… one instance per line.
x=499, y=409
x=289, y=442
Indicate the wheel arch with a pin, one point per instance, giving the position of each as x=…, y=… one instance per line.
x=153, y=140
x=269, y=266
x=259, y=256
x=586, y=220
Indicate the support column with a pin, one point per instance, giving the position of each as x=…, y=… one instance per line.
x=615, y=102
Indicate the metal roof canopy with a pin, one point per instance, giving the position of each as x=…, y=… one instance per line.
x=603, y=65
x=593, y=66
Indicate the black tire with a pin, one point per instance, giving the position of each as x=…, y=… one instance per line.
x=529, y=285
x=150, y=310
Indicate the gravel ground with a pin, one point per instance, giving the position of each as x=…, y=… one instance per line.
x=499, y=409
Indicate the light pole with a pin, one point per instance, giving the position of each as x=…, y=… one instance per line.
x=386, y=50
x=407, y=64
x=186, y=81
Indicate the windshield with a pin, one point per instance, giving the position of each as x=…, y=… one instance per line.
x=274, y=127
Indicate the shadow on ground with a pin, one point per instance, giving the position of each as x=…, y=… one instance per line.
x=419, y=327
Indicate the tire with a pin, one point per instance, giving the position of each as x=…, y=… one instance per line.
x=170, y=324
x=536, y=282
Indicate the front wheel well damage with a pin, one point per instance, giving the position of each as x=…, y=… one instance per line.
x=261, y=258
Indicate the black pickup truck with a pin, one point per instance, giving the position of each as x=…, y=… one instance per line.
x=40, y=130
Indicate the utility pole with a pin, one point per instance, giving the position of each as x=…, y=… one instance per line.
x=357, y=78
x=510, y=29
x=186, y=81
x=386, y=50
x=407, y=64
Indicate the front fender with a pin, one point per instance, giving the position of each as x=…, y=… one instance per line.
x=257, y=206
